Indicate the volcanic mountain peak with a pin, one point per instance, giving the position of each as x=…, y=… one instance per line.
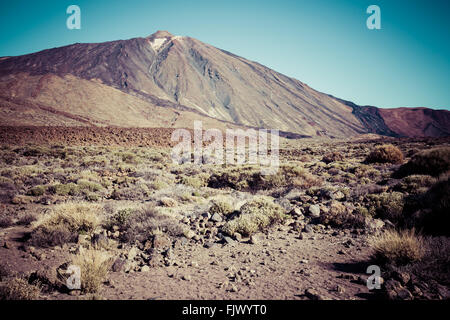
x=188, y=76
x=159, y=38
x=160, y=34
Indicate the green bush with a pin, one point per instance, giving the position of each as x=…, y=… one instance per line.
x=37, y=191
x=221, y=206
x=386, y=206
x=255, y=215
x=89, y=185
x=65, y=189
x=415, y=184
x=339, y=217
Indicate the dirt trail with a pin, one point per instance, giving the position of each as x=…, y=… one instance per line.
x=281, y=266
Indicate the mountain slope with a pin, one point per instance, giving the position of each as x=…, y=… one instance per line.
x=186, y=75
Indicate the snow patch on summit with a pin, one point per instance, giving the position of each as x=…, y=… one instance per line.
x=157, y=43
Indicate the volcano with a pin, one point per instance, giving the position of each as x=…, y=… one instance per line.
x=169, y=81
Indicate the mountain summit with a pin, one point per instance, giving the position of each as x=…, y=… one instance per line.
x=169, y=78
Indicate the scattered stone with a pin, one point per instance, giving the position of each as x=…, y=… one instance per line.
x=374, y=225
x=238, y=236
x=314, y=211
x=304, y=261
x=46, y=278
x=206, y=215
x=233, y=288
x=228, y=240
x=168, y=253
x=185, y=220
x=348, y=243
x=416, y=291
x=256, y=238
x=74, y=292
x=313, y=294
x=348, y=277
x=338, y=195
x=132, y=253
x=216, y=217
x=99, y=239
x=339, y=289
x=209, y=244
x=6, y=245
x=40, y=256
x=186, y=277
x=189, y=234
x=297, y=212
x=404, y=294
x=161, y=242
x=403, y=277
x=145, y=269
x=118, y=265
x=305, y=198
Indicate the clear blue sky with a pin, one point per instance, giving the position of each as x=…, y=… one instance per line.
x=324, y=43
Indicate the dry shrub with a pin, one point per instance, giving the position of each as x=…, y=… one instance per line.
x=432, y=162
x=65, y=189
x=221, y=206
x=198, y=181
x=415, y=184
x=168, y=202
x=339, y=216
x=248, y=178
x=26, y=219
x=255, y=215
x=137, y=192
x=332, y=157
x=398, y=247
x=143, y=222
x=64, y=223
x=37, y=191
x=436, y=263
x=5, y=221
x=386, y=205
x=19, y=289
x=4, y=270
x=435, y=219
x=386, y=153
x=94, y=265
x=238, y=178
x=366, y=171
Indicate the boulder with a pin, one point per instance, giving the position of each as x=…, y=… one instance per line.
x=314, y=211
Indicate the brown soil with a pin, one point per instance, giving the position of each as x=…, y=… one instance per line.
x=275, y=268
